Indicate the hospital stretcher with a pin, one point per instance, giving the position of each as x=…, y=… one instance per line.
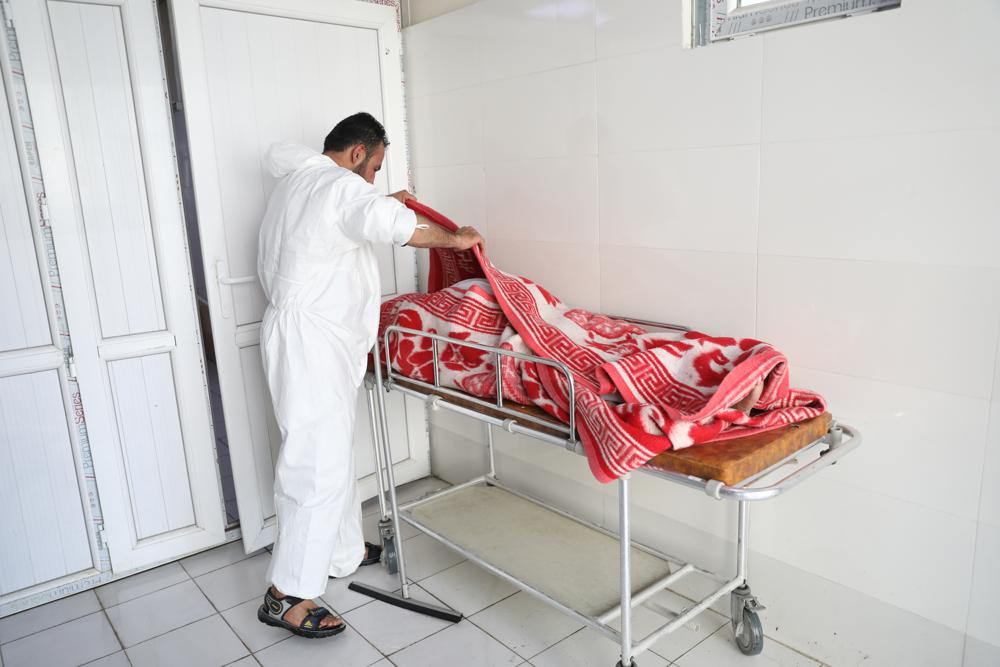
x=604, y=575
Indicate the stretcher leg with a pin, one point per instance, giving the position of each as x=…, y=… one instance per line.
x=385, y=530
x=625, y=542
x=380, y=435
x=743, y=606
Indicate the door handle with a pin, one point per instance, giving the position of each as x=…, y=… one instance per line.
x=222, y=276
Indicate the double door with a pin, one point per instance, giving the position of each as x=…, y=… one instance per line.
x=105, y=424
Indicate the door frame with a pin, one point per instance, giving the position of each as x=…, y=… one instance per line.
x=186, y=29
x=48, y=357
x=180, y=337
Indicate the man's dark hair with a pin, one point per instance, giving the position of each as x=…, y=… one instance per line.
x=361, y=128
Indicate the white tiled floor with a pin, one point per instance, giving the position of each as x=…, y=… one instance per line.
x=202, y=611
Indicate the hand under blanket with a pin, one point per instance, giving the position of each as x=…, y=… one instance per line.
x=637, y=393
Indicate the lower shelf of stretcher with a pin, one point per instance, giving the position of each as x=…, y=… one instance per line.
x=729, y=461
x=564, y=559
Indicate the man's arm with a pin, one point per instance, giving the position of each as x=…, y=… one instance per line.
x=430, y=235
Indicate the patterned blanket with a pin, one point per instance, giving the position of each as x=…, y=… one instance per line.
x=637, y=392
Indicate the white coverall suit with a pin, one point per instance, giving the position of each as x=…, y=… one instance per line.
x=318, y=269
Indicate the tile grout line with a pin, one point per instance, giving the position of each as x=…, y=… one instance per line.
x=245, y=557
x=979, y=508
x=114, y=630
x=37, y=632
x=157, y=590
x=760, y=180
x=414, y=643
x=233, y=630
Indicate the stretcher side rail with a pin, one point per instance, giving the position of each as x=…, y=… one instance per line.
x=831, y=446
x=497, y=352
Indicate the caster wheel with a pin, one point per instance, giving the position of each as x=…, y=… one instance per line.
x=749, y=634
x=633, y=664
x=389, y=557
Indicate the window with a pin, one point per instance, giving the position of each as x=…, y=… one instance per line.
x=715, y=20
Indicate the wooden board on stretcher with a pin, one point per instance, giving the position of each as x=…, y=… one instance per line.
x=729, y=461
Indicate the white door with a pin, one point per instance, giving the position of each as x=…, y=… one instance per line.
x=46, y=528
x=95, y=86
x=251, y=75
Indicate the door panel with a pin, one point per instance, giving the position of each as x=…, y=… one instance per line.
x=25, y=322
x=45, y=525
x=253, y=75
x=95, y=84
x=97, y=92
x=152, y=443
x=266, y=77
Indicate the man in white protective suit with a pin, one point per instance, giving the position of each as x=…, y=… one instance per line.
x=317, y=265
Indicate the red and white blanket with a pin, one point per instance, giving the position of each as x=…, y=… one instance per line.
x=637, y=393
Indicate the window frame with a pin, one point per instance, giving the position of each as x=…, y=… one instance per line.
x=723, y=20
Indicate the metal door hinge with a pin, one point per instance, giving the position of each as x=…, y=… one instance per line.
x=71, y=366
x=43, y=209
x=103, y=539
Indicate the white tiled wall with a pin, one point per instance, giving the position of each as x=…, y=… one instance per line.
x=829, y=188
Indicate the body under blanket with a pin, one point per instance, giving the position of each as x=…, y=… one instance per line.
x=637, y=393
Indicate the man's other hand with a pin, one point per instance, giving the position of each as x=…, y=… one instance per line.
x=403, y=195
x=467, y=237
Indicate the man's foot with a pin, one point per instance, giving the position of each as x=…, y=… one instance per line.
x=373, y=554
x=302, y=617
x=298, y=612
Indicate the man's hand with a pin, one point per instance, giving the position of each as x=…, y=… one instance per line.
x=430, y=235
x=403, y=195
x=467, y=237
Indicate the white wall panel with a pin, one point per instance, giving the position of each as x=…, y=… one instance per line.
x=907, y=425
x=824, y=508
x=24, y=323
x=446, y=128
x=459, y=189
x=152, y=444
x=100, y=109
x=677, y=98
x=555, y=265
x=989, y=504
x=524, y=36
x=925, y=66
x=984, y=607
x=927, y=197
x=627, y=26
x=709, y=291
x=43, y=525
x=560, y=191
x=448, y=53
x=550, y=114
x=930, y=327
x=693, y=199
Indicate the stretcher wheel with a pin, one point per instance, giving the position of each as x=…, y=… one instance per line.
x=749, y=633
x=391, y=560
x=634, y=664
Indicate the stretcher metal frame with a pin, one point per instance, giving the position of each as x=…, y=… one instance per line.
x=744, y=619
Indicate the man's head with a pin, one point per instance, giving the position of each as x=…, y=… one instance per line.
x=357, y=143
